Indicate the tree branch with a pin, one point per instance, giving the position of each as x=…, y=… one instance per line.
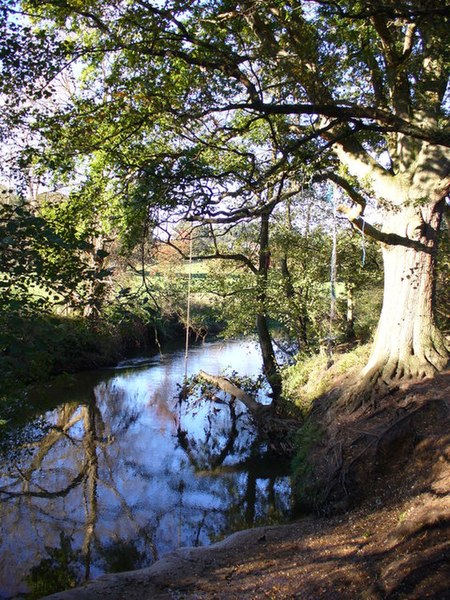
x=348, y=114
x=237, y=257
x=343, y=183
x=400, y=10
x=390, y=239
x=230, y=388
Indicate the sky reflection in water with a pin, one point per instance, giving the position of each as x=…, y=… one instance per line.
x=126, y=473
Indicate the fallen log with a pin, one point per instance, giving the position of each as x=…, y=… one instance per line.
x=229, y=387
x=277, y=430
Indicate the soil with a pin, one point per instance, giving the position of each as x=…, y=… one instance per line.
x=381, y=528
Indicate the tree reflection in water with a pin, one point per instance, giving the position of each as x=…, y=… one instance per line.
x=111, y=483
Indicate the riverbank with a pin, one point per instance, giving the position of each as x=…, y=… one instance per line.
x=36, y=346
x=39, y=347
x=393, y=543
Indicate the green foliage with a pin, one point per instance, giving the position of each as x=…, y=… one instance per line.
x=443, y=277
x=304, y=381
x=300, y=290
x=211, y=111
x=53, y=274
x=309, y=377
x=56, y=573
x=308, y=436
x=34, y=346
x=368, y=302
x=122, y=556
x=44, y=269
x=234, y=300
x=44, y=259
x=297, y=290
x=51, y=263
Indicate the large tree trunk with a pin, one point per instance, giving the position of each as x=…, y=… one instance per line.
x=407, y=343
x=270, y=365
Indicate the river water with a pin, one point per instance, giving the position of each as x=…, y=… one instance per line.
x=122, y=472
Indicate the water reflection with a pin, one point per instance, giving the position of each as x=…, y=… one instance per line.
x=123, y=472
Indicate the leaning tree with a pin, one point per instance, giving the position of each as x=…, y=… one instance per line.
x=362, y=83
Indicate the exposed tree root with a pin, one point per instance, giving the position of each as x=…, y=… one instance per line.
x=358, y=443
x=369, y=442
x=363, y=393
x=385, y=377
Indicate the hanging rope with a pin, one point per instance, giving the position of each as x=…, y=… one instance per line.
x=188, y=312
x=363, y=243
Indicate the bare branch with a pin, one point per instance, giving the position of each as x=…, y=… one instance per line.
x=344, y=184
x=237, y=257
x=390, y=239
x=349, y=113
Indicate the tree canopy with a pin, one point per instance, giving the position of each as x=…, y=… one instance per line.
x=198, y=108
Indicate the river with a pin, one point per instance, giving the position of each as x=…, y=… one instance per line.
x=121, y=471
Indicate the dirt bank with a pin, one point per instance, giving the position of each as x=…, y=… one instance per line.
x=393, y=544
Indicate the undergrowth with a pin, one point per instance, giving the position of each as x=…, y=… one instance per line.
x=304, y=490
x=303, y=383
x=310, y=377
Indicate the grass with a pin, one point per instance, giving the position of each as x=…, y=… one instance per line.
x=310, y=378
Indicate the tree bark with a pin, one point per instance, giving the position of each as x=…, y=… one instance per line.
x=300, y=321
x=230, y=388
x=270, y=365
x=407, y=343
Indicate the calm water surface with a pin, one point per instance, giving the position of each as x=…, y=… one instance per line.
x=122, y=472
